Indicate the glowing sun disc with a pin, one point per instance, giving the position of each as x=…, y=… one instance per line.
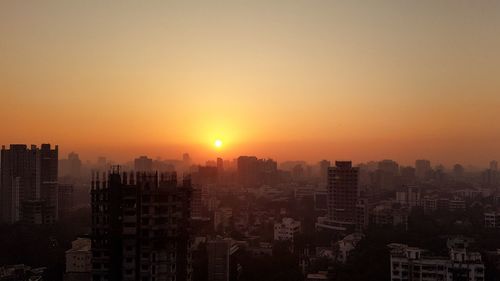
x=218, y=143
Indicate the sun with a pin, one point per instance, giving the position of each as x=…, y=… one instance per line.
x=218, y=143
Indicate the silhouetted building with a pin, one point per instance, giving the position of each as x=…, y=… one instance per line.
x=342, y=195
x=220, y=165
x=102, y=163
x=490, y=178
x=140, y=227
x=206, y=175
x=252, y=171
x=458, y=171
x=323, y=172
x=65, y=199
x=143, y=164
x=423, y=169
x=494, y=165
x=70, y=167
x=408, y=175
x=386, y=176
x=29, y=184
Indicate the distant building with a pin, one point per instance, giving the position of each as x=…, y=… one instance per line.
x=389, y=215
x=320, y=200
x=65, y=199
x=490, y=178
x=143, y=164
x=28, y=182
x=303, y=192
x=196, y=204
x=70, y=167
x=286, y=230
x=410, y=263
x=205, y=175
x=78, y=261
x=458, y=171
x=222, y=265
x=220, y=165
x=323, y=172
x=140, y=227
x=222, y=217
x=494, y=165
x=423, y=169
x=408, y=175
x=409, y=196
x=252, y=171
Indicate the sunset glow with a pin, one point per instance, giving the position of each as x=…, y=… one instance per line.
x=281, y=79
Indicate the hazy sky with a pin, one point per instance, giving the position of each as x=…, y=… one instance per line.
x=357, y=80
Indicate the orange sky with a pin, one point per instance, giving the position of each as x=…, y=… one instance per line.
x=287, y=79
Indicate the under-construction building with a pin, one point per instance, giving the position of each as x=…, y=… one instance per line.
x=140, y=227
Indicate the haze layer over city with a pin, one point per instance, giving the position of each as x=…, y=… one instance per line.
x=249, y=140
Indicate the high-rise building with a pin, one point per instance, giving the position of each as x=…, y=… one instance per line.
x=29, y=184
x=70, y=167
x=252, y=171
x=422, y=169
x=458, y=171
x=220, y=165
x=342, y=195
x=222, y=265
x=140, y=227
x=248, y=167
x=494, y=165
x=143, y=164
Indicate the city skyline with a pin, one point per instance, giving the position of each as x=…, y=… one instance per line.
x=284, y=79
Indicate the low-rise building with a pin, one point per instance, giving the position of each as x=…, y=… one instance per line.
x=21, y=272
x=79, y=260
x=389, y=215
x=411, y=263
x=346, y=245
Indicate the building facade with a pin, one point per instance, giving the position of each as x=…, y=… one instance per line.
x=410, y=263
x=286, y=230
x=221, y=262
x=28, y=184
x=342, y=195
x=140, y=227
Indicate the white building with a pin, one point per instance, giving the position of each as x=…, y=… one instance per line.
x=78, y=260
x=346, y=245
x=286, y=229
x=410, y=263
